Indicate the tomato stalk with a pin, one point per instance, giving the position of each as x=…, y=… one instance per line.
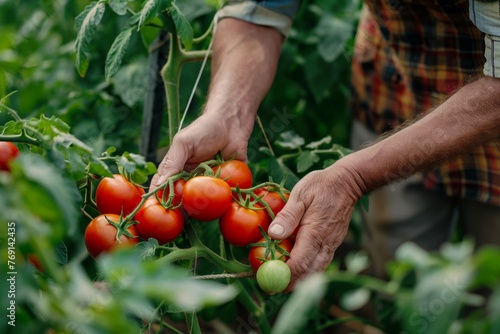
x=198, y=249
x=257, y=312
x=171, y=73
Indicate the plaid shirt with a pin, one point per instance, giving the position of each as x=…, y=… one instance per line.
x=409, y=56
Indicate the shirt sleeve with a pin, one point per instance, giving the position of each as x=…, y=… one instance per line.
x=485, y=14
x=277, y=14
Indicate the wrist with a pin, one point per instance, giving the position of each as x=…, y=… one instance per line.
x=344, y=175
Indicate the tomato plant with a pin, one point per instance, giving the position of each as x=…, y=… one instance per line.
x=117, y=195
x=206, y=198
x=257, y=253
x=164, y=192
x=156, y=221
x=8, y=152
x=273, y=276
x=240, y=225
x=235, y=173
x=101, y=235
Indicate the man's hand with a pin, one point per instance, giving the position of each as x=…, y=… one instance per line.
x=201, y=141
x=322, y=204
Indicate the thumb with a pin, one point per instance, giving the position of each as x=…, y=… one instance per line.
x=171, y=164
x=287, y=219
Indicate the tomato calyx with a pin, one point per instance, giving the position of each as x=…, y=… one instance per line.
x=122, y=227
x=271, y=248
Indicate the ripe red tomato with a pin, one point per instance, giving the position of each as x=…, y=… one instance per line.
x=235, y=172
x=178, y=189
x=206, y=198
x=114, y=195
x=273, y=199
x=156, y=221
x=100, y=235
x=240, y=226
x=8, y=152
x=257, y=252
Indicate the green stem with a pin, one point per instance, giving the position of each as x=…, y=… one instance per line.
x=170, y=74
x=257, y=312
x=192, y=322
x=205, y=34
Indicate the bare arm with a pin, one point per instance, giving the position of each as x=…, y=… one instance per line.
x=244, y=63
x=323, y=201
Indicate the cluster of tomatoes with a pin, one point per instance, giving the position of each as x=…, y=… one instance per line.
x=225, y=194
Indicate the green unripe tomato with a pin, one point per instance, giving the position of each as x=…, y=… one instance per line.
x=273, y=276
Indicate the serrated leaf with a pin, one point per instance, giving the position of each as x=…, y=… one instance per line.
x=183, y=27
x=117, y=52
x=119, y=6
x=306, y=160
x=11, y=128
x=290, y=140
x=81, y=17
x=85, y=35
x=147, y=12
x=315, y=144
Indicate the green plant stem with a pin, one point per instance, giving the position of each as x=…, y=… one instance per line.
x=369, y=282
x=192, y=322
x=204, y=252
x=170, y=74
x=255, y=310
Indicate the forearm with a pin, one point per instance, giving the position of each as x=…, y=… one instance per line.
x=244, y=62
x=469, y=118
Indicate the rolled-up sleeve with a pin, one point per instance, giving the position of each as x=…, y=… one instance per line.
x=277, y=14
x=486, y=16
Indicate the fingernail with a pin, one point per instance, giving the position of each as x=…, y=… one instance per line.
x=276, y=229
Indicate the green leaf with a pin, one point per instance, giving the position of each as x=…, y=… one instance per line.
x=333, y=34
x=290, y=140
x=117, y=52
x=46, y=193
x=129, y=82
x=119, y=6
x=169, y=284
x=278, y=171
x=148, y=11
x=315, y=144
x=183, y=27
x=305, y=160
x=294, y=314
x=354, y=300
x=356, y=262
x=85, y=35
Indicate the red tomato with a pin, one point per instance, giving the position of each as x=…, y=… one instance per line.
x=114, y=195
x=8, y=152
x=235, y=172
x=100, y=235
x=156, y=221
x=273, y=199
x=257, y=252
x=178, y=189
x=206, y=198
x=240, y=226
x=34, y=259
